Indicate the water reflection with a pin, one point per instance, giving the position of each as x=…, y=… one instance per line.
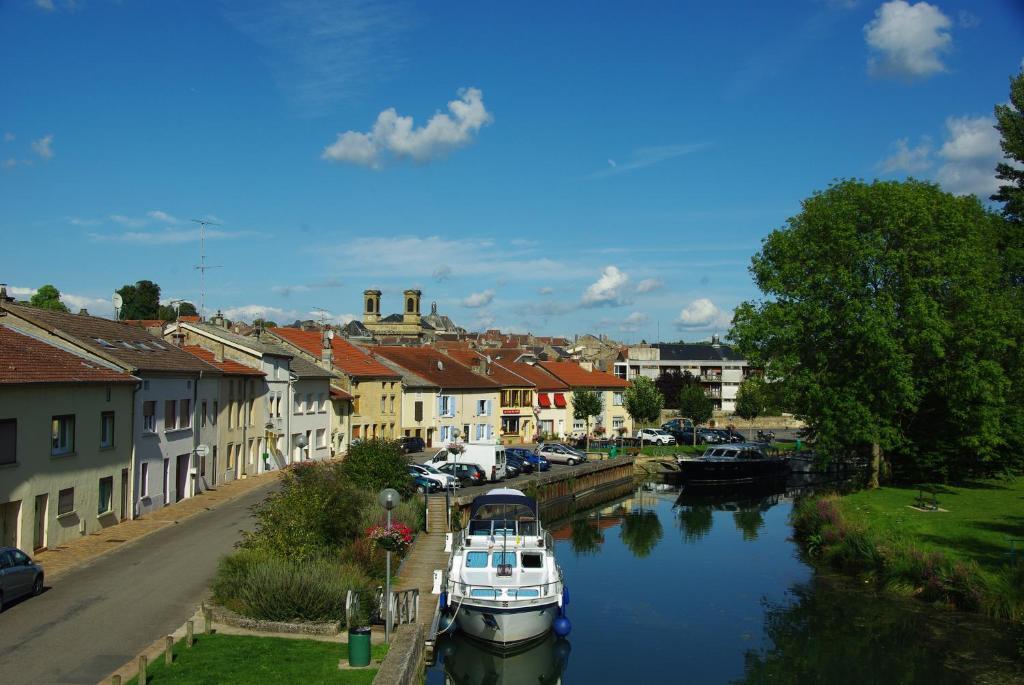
x=640, y=532
x=468, y=662
x=695, y=508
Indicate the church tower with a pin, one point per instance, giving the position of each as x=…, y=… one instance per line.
x=371, y=306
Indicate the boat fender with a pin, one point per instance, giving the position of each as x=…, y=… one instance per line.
x=565, y=597
x=562, y=626
x=443, y=601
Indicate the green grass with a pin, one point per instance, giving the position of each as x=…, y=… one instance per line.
x=215, y=659
x=981, y=516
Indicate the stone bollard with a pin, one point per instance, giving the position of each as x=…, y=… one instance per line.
x=188, y=634
x=143, y=662
x=207, y=620
x=115, y=680
x=169, y=651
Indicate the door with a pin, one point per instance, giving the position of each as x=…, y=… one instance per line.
x=181, y=481
x=124, y=494
x=39, y=529
x=10, y=524
x=213, y=476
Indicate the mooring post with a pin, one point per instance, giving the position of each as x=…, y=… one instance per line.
x=168, y=651
x=143, y=662
x=207, y=620
x=188, y=634
x=115, y=680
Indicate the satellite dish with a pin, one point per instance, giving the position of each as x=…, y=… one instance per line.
x=117, y=300
x=330, y=335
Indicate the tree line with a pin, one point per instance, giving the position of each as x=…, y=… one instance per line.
x=140, y=300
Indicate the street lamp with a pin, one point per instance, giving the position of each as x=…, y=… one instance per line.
x=301, y=442
x=388, y=498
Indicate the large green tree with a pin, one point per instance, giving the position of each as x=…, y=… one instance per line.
x=750, y=399
x=643, y=401
x=375, y=464
x=1010, y=124
x=883, y=316
x=586, y=405
x=140, y=300
x=695, y=404
x=48, y=297
x=170, y=312
x=670, y=383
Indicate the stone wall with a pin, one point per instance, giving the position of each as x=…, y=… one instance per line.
x=403, y=664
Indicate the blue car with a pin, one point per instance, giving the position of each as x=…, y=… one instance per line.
x=517, y=464
x=539, y=463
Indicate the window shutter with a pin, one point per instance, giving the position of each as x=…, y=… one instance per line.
x=490, y=407
x=440, y=405
x=418, y=412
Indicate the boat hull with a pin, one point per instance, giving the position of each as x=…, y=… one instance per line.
x=506, y=626
x=709, y=471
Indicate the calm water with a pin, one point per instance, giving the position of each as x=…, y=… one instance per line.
x=684, y=587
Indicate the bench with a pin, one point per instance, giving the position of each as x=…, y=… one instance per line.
x=922, y=499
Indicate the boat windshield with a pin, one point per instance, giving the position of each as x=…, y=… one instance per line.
x=502, y=527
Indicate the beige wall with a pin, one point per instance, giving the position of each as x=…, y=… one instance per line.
x=426, y=427
x=466, y=413
x=517, y=403
x=37, y=472
x=240, y=442
x=609, y=416
x=371, y=418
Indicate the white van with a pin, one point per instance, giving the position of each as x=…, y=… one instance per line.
x=487, y=455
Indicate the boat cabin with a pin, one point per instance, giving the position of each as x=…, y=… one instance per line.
x=741, y=451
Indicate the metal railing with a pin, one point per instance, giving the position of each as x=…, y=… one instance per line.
x=405, y=607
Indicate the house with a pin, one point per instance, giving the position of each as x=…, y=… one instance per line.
x=550, y=398
x=65, y=441
x=174, y=385
x=518, y=421
x=375, y=391
x=719, y=368
x=613, y=419
x=419, y=410
x=466, y=402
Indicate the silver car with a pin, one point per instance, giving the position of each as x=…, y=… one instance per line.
x=19, y=575
x=558, y=453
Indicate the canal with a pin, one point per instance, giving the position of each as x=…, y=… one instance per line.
x=668, y=585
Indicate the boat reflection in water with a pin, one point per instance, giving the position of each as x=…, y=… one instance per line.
x=468, y=662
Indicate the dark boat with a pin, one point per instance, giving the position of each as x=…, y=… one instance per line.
x=744, y=462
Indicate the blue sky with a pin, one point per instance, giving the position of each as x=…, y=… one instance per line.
x=553, y=167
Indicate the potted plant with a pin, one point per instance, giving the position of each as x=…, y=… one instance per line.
x=397, y=538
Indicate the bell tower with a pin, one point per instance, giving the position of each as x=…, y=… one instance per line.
x=371, y=306
x=411, y=311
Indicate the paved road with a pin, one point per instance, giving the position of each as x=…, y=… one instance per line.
x=96, y=618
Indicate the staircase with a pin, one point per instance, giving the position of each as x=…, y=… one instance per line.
x=437, y=514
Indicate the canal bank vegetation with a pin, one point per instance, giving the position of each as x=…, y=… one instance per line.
x=961, y=556
x=311, y=543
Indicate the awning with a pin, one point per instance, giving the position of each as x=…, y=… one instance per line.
x=337, y=394
x=559, y=400
x=544, y=400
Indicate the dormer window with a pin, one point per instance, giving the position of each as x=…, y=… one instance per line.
x=104, y=343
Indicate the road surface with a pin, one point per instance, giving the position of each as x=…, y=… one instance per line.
x=97, y=617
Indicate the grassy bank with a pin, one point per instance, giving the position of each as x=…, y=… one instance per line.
x=215, y=659
x=958, y=556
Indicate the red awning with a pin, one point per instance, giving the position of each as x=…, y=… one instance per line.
x=559, y=400
x=544, y=400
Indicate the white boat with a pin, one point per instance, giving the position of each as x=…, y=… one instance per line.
x=503, y=584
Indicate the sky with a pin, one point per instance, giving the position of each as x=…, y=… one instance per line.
x=553, y=168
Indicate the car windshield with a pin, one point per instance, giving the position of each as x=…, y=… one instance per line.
x=429, y=469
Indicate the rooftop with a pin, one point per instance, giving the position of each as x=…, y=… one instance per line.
x=228, y=366
x=544, y=381
x=25, y=359
x=496, y=372
x=344, y=355
x=697, y=352
x=577, y=377
x=435, y=367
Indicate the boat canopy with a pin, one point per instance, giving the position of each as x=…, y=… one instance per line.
x=504, y=503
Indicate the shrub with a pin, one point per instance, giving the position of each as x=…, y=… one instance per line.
x=376, y=464
x=262, y=586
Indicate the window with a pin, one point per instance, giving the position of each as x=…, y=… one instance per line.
x=202, y=414
x=202, y=466
x=252, y=412
x=446, y=406
x=417, y=411
x=66, y=501
x=321, y=437
x=170, y=415
x=231, y=456
x=310, y=406
x=323, y=403
x=392, y=400
x=216, y=410
x=356, y=431
x=106, y=501
x=145, y=385
x=144, y=480
x=62, y=434
x=617, y=399
x=506, y=398
x=383, y=404
x=481, y=407
x=8, y=441
x=527, y=398
x=298, y=403
x=277, y=406
x=107, y=429
x=241, y=414
x=618, y=422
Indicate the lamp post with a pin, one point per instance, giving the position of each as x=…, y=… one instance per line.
x=388, y=498
x=301, y=442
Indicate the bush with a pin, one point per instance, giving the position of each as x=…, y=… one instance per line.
x=376, y=464
x=314, y=514
x=262, y=586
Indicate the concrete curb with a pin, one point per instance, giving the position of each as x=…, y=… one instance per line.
x=403, y=664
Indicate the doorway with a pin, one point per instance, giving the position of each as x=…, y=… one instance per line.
x=167, y=481
x=124, y=494
x=10, y=524
x=39, y=529
x=181, y=481
x=213, y=476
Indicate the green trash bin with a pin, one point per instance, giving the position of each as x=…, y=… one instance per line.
x=613, y=452
x=359, y=647
x=799, y=445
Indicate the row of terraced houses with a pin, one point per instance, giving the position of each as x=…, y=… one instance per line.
x=103, y=420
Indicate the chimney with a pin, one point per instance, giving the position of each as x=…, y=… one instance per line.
x=218, y=353
x=3, y=294
x=218, y=319
x=83, y=312
x=178, y=338
x=326, y=353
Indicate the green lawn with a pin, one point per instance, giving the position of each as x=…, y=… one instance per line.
x=215, y=659
x=980, y=519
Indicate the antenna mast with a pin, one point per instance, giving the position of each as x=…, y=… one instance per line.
x=202, y=266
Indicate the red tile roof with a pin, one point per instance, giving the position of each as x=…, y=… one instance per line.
x=577, y=377
x=435, y=367
x=228, y=366
x=346, y=356
x=189, y=319
x=24, y=359
x=544, y=381
x=504, y=377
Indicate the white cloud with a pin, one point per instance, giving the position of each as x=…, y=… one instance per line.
x=10, y=163
x=442, y=273
x=606, y=290
x=481, y=299
x=44, y=146
x=45, y=5
x=8, y=137
x=633, y=322
x=909, y=159
x=971, y=151
x=649, y=285
x=251, y=312
x=396, y=135
x=129, y=221
x=648, y=156
x=79, y=221
x=96, y=305
x=546, y=290
x=167, y=236
x=702, y=313
x=162, y=217
x=906, y=40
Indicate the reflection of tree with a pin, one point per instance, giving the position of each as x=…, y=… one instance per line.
x=641, y=532
x=748, y=520
x=695, y=521
x=586, y=537
x=833, y=633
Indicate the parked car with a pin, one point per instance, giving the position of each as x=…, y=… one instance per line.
x=538, y=462
x=486, y=454
x=511, y=469
x=468, y=474
x=19, y=575
x=684, y=436
x=444, y=480
x=673, y=425
x=655, y=436
x=411, y=444
x=561, y=454
x=424, y=485
x=730, y=435
x=710, y=435
x=518, y=463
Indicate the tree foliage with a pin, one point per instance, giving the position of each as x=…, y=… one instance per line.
x=140, y=300
x=883, y=317
x=751, y=398
x=168, y=312
x=670, y=384
x=1010, y=124
x=586, y=404
x=375, y=464
x=641, y=532
x=643, y=401
x=48, y=297
x=695, y=404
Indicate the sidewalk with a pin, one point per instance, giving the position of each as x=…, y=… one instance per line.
x=70, y=555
